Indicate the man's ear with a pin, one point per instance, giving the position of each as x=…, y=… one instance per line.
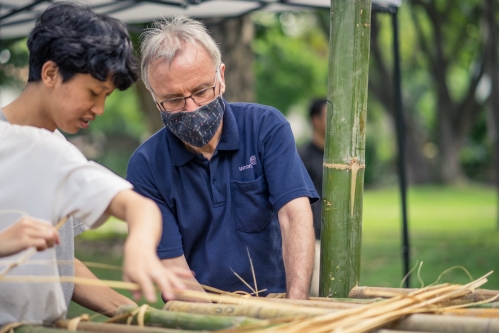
x=223, y=82
x=49, y=74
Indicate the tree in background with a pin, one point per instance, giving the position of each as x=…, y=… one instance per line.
x=450, y=80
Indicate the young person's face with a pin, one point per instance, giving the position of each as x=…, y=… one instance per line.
x=73, y=104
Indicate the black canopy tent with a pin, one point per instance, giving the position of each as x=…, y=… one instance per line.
x=17, y=18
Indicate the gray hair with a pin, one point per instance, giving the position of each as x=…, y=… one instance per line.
x=166, y=38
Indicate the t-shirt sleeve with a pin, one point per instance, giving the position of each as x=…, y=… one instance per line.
x=139, y=174
x=85, y=189
x=286, y=175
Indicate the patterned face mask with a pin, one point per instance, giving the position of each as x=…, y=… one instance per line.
x=196, y=128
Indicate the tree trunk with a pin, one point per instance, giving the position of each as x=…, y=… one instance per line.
x=418, y=166
x=234, y=36
x=344, y=159
x=148, y=107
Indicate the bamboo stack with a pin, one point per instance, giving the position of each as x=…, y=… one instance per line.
x=430, y=309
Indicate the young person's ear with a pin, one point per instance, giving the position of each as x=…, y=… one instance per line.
x=49, y=73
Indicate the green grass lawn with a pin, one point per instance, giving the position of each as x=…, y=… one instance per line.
x=449, y=226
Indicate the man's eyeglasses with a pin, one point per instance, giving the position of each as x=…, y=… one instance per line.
x=200, y=97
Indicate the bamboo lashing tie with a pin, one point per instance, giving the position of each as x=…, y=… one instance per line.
x=73, y=323
x=31, y=251
x=140, y=312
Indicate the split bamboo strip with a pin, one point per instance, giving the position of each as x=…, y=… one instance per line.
x=433, y=323
x=383, y=330
x=118, y=328
x=315, y=304
x=252, y=311
x=186, y=321
x=371, y=292
x=344, y=158
x=346, y=300
x=483, y=313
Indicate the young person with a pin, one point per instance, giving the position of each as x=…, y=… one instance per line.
x=48, y=178
x=77, y=58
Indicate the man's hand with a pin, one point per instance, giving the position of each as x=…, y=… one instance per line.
x=298, y=246
x=25, y=233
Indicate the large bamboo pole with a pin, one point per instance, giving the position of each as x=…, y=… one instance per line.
x=373, y=292
x=116, y=328
x=344, y=159
x=187, y=321
x=447, y=324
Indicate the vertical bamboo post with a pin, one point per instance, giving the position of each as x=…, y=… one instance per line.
x=344, y=159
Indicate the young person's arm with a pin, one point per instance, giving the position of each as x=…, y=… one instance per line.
x=25, y=233
x=141, y=263
x=191, y=282
x=101, y=299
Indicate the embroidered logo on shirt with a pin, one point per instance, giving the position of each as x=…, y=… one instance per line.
x=253, y=161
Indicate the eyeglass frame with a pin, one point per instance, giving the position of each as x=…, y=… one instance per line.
x=163, y=109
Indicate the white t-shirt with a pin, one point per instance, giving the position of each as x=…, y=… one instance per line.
x=66, y=249
x=49, y=178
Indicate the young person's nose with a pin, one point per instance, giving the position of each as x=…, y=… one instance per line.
x=98, y=109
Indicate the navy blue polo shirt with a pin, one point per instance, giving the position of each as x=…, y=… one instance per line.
x=214, y=210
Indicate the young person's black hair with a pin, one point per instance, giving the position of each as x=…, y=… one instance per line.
x=316, y=107
x=79, y=40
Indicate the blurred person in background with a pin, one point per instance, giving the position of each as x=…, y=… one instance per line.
x=312, y=156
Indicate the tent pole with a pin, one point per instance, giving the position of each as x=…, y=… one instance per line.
x=400, y=130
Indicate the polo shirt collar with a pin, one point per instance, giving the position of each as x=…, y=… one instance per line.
x=229, y=140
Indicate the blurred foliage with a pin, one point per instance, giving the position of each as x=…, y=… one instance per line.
x=291, y=68
x=291, y=64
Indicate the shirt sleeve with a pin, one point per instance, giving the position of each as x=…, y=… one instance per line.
x=84, y=188
x=139, y=174
x=286, y=175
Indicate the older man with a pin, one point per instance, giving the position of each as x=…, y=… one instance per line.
x=226, y=176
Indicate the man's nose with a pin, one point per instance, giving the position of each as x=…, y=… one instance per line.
x=190, y=104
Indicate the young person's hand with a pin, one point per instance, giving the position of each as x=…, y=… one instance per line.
x=25, y=233
x=141, y=264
